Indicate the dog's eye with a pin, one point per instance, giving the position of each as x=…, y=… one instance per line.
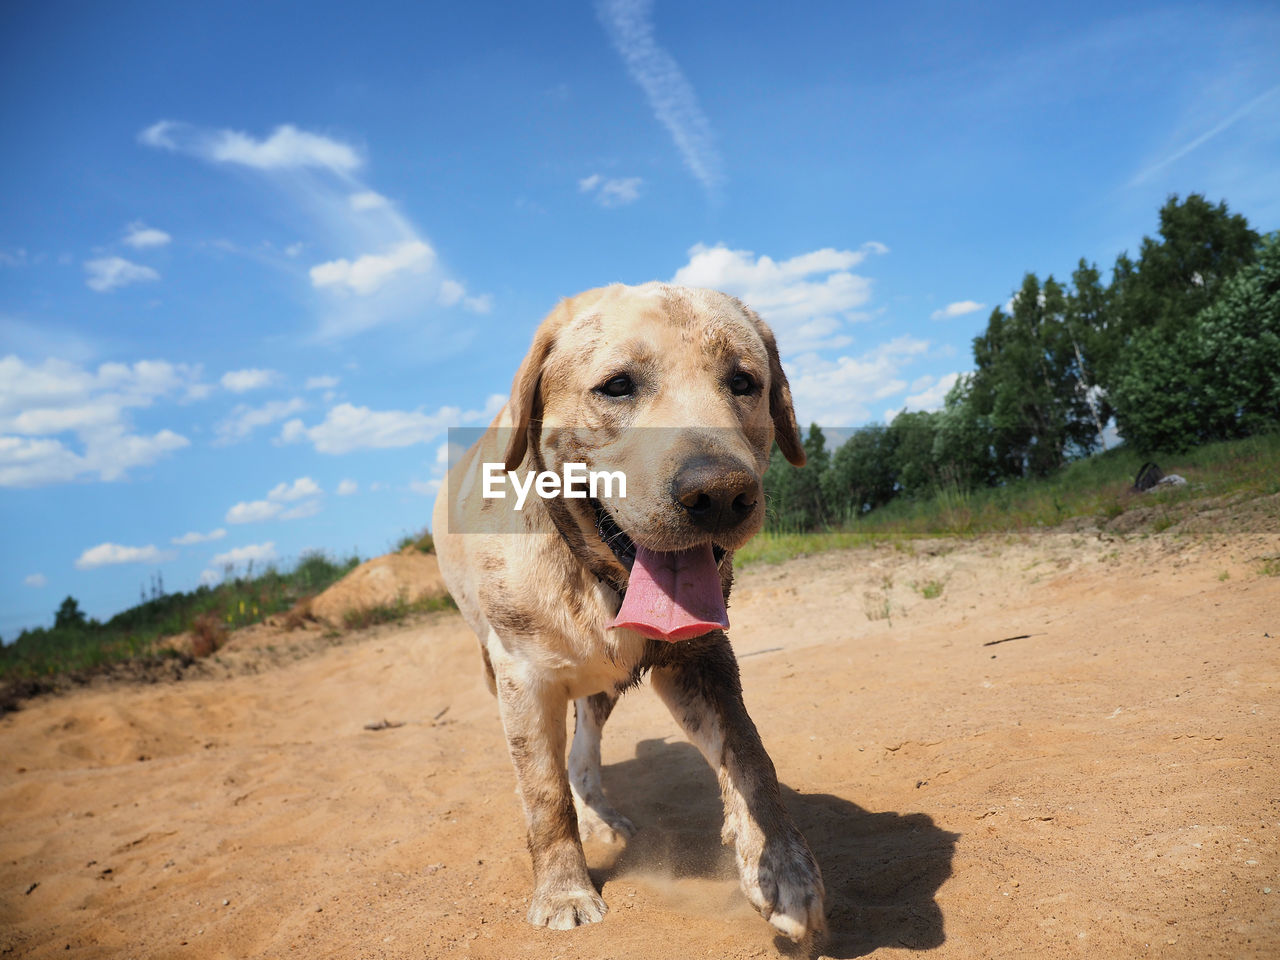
x=742, y=384
x=619, y=386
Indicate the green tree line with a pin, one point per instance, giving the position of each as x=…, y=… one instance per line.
x=1181, y=347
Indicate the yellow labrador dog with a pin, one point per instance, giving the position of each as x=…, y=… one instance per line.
x=576, y=595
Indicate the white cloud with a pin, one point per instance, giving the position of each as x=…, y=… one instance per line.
x=370, y=272
x=367, y=200
x=839, y=393
x=244, y=419
x=209, y=578
x=957, y=309
x=158, y=135
x=308, y=508
x=139, y=236
x=301, y=488
x=287, y=148
x=630, y=26
x=274, y=506
x=347, y=487
x=39, y=402
x=347, y=427
x=611, y=192
x=109, y=554
x=321, y=383
x=253, y=511
x=395, y=274
x=111, y=273
x=806, y=299
x=256, y=552
x=425, y=488
x=242, y=381
x=451, y=292
x=187, y=539
x=36, y=580
x=926, y=398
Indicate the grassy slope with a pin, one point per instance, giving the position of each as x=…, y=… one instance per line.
x=1097, y=487
x=134, y=634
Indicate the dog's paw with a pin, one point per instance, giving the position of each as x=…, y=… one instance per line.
x=603, y=823
x=566, y=909
x=785, y=885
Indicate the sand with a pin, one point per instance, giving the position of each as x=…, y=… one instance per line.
x=1105, y=785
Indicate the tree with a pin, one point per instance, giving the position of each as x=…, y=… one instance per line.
x=860, y=476
x=962, y=451
x=1156, y=302
x=911, y=460
x=1218, y=377
x=1028, y=387
x=795, y=496
x=1201, y=247
x=69, y=615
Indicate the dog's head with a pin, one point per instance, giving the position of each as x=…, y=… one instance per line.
x=681, y=390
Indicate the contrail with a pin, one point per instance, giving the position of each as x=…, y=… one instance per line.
x=1204, y=137
x=630, y=27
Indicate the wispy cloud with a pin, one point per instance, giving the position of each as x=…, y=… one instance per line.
x=611, y=192
x=111, y=273
x=1205, y=137
x=242, y=381
x=371, y=272
x=286, y=148
x=276, y=504
x=110, y=554
x=957, y=309
x=187, y=539
x=244, y=419
x=629, y=24
x=248, y=554
x=373, y=266
x=36, y=580
x=139, y=236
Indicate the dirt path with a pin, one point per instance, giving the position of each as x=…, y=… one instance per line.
x=1105, y=785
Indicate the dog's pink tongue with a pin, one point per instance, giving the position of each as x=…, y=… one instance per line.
x=673, y=596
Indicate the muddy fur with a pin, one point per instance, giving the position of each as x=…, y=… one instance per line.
x=706, y=391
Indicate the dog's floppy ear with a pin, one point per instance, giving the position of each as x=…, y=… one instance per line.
x=785, y=430
x=525, y=404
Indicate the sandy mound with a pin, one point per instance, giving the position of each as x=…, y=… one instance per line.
x=403, y=578
x=1052, y=746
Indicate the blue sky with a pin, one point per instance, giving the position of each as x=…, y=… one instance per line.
x=256, y=258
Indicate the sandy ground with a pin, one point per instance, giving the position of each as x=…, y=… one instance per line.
x=1106, y=785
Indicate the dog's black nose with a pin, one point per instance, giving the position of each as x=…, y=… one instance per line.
x=718, y=493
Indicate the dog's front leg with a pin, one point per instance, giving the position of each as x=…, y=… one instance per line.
x=779, y=874
x=533, y=716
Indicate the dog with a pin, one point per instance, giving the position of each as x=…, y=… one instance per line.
x=576, y=598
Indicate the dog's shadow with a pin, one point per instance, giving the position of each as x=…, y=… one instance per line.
x=881, y=870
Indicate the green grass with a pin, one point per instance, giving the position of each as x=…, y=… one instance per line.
x=1097, y=487
x=395, y=612
x=134, y=634
x=421, y=542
